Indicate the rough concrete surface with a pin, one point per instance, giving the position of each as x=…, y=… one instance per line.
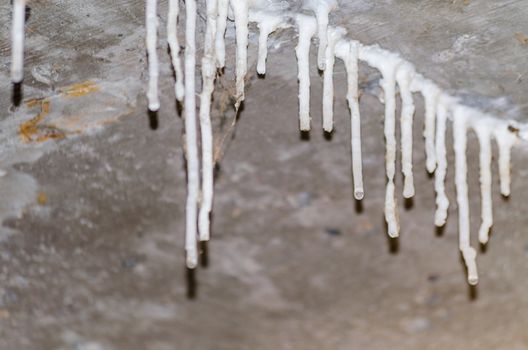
x=93, y=190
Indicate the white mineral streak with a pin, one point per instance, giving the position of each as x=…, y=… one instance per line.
x=172, y=39
x=404, y=76
x=193, y=180
x=321, y=9
x=221, y=24
x=483, y=131
x=208, y=78
x=152, y=45
x=240, y=10
x=348, y=51
x=334, y=35
x=460, y=126
x=307, y=27
x=430, y=93
x=442, y=202
x=505, y=140
x=387, y=63
x=17, y=38
x=267, y=23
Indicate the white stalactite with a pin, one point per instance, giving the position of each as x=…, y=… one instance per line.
x=221, y=24
x=348, y=51
x=321, y=9
x=404, y=77
x=152, y=46
x=193, y=179
x=174, y=45
x=17, y=40
x=429, y=128
x=240, y=10
x=334, y=35
x=505, y=140
x=442, y=202
x=387, y=63
x=307, y=27
x=460, y=125
x=267, y=23
x=430, y=93
x=208, y=78
x=483, y=131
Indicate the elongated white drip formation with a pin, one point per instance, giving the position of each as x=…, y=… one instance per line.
x=17, y=38
x=431, y=94
x=404, y=77
x=241, y=12
x=387, y=64
x=208, y=78
x=221, y=25
x=484, y=137
x=506, y=139
x=442, y=202
x=334, y=35
x=321, y=9
x=174, y=46
x=348, y=52
x=307, y=28
x=460, y=127
x=267, y=23
x=193, y=179
x=152, y=46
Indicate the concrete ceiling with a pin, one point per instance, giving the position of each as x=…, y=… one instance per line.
x=93, y=192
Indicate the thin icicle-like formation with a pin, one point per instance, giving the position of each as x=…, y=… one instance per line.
x=240, y=10
x=221, y=24
x=208, y=78
x=483, y=132
x=17, y=40
x=348, y=51
x=442, y=202
x=152, y=46
x=505, y=140
x=404, y=76
x=334, y=34
x=307, y=27
x=321, y=9
x=460, y=126
x=267, y=24
x=387, y=63
x=172, y=39
x=430, y=93
x=193, y=180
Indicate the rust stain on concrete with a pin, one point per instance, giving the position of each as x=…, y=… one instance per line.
x=80, y=89
x=34, y=131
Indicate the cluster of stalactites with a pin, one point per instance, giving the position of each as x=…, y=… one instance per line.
x=397, y=74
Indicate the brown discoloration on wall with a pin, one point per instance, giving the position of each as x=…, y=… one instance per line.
x=80, y=89
x=35, y=131
x=522, y=38
x=38, y=129
x=42, y=198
